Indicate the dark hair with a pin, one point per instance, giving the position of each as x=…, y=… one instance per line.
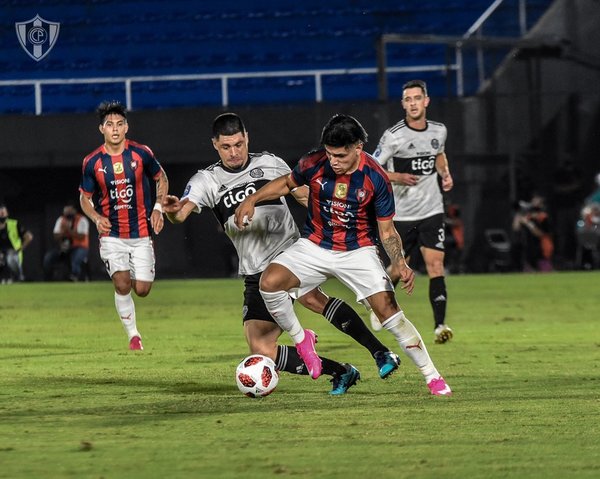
x=227, y=124
x=109, y=107
x=416, y=84
x=343, y=130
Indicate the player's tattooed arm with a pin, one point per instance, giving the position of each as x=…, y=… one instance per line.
x=392, y=244
x=393, y=248
x=162, y=188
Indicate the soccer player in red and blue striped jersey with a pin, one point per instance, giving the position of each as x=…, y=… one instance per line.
x=116, y=195
x=350, y=205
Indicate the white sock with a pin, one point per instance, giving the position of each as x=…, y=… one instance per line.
x=280, y=306
x=126, y=309
x=411, y=343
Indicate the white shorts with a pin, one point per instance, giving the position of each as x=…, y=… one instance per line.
x=133, y=255
x=360, y=270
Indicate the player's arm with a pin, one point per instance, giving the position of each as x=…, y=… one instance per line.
x=384, y=154
x=162, y=188
x=177, y=210
x=273, y=189
x=301, y=195
x=392, y=244
x=441, y=165
x=102, y=222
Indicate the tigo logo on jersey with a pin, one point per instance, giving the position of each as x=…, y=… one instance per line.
x=37, y=36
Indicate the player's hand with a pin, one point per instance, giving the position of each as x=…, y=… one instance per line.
x=447, y=182
x=407, y=278
x=103, y=225
x=172, y=204
x=244, y=214
x=407, y=179
x=157, y=221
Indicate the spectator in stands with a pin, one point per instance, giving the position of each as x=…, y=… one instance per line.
x=14, y=238
x=531, y=224
x=72, y=237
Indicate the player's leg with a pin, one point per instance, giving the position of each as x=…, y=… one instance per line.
x=432, y=234
x=115, y=255
x=263, y=332
x=409, y=339
x=347, y=320
x=409, y=232
x=363, y=273
x=285, y=273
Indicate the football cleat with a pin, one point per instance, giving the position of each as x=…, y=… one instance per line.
x=438, y=387
x=375, y=323
x=345, y=381
x=387, y=362
x=135, y=344
x=443, y=334
x=306, y=351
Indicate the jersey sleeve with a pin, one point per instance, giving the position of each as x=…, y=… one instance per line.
x=281, y=167
x=151, y=164
x=88, y=178
x=201, y=191
x=443, y=140
x=385, y=207
x=384, y=153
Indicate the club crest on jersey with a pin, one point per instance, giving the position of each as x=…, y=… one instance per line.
x=134, y=165
x=361, y=195
x=118, y=167
x=257, y=173
x=435, y=143
x=341, y=190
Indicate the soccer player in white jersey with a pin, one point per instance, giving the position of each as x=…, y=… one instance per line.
x=412, y=152
x=221, y=187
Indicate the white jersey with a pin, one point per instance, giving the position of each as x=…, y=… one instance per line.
x=403, y=149
x=272, y=228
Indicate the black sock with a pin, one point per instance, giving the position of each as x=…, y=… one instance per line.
x=344, y=318
x=289, y=360
x=438, y=299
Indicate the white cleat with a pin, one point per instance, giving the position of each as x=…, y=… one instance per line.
x=443, y=334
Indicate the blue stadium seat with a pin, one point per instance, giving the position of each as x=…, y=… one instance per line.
x=125, y=38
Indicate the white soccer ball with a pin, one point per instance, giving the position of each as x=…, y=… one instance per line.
x=256, y=376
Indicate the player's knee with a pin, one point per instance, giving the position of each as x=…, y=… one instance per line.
x=143, y=290
x=268, y=282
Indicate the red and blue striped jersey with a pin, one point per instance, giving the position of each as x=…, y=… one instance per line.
x=120, y=187
x=343, y=209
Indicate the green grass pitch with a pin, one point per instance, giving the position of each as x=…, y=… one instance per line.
x=76, y=403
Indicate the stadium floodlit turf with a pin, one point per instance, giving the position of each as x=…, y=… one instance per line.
x=76, y=403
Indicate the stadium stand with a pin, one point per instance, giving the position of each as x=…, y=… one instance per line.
x=110, y=38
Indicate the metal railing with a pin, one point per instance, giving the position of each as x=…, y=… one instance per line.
x=129, y=81
x=471, y=38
